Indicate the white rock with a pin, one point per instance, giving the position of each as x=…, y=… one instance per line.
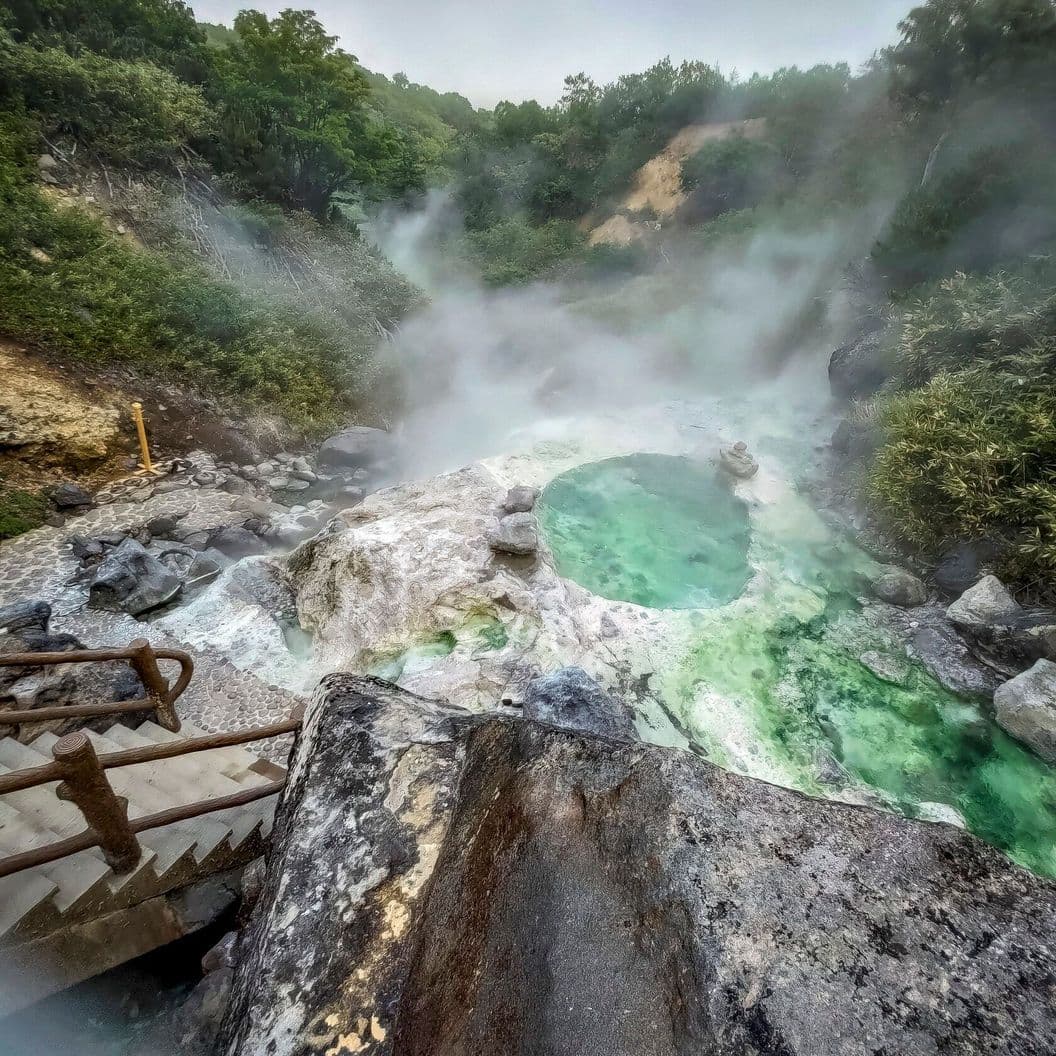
x=985, y=604
x=1025, y=707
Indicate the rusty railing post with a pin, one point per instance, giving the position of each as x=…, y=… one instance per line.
x=146, y=666
x=85, y=785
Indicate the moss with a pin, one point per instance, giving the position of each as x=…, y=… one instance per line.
x=20, y=511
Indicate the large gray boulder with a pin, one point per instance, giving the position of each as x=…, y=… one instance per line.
x=1025, y=707
x=132, y=580
x=1005, y=634
x=572, y=699
x=896, y=586
x=449, y=884
x=359, y=447
x=986, y=604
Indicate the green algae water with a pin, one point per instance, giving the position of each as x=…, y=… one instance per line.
x=770, y=683
x=655, y=530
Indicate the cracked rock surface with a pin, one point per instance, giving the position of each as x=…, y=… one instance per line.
x=453, y=884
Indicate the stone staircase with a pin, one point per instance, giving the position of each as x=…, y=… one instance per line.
x=75, y=892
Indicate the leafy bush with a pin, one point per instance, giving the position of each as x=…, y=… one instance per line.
x=973, y=451
x=126, y=111
x=1004, y=322
x=513, y=251
x=969, y=456
x=69, y=284
x=998, y=205
x=730, y=173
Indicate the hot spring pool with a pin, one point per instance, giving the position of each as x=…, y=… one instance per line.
x=773, y=685
x=656, y=530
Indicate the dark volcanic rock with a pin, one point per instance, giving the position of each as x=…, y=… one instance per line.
x=856, y=439
x=31, y=685
x=858, y=369
x=25, y=615
x=1003, y=633
x=963, y=565
x=359, y=447
x=133, y=580
x=444, y=884
x=69, y=496
x=572, y=699
x=233, y=541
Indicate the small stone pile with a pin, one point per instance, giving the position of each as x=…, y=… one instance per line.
x=515, y=531
x=737, y=461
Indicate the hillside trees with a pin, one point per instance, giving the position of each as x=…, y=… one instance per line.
x=294, y=121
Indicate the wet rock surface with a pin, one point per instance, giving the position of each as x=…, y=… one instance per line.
x=570, y=698
x=963, y=565
x=359, y=447
x=132, y=580
x=448, y=884
x=858, y=369
x=25, y=628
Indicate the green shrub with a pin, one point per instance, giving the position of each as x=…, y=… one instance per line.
x=70, y=285
x=125, y=111
x=972, y=451
x=20, y=511
x=997, y=205
x=730, y=173
x=513, y=251
x=973, y=455
x=1003, y=322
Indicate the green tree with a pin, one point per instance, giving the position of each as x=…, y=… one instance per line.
x=948, y=47
x=163, y=32
x=295, y=125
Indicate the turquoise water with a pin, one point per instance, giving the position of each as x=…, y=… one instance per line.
x=659, y=531
x=771, y=684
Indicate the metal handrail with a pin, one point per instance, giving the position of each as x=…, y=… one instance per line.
x=82, y=773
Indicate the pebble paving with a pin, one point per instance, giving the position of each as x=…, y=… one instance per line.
x=40, y=565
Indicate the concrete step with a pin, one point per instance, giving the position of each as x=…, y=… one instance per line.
x=39, y=803
x=146, y=793
x=26, y=901
x=166, y=847
x=196, y=770
x=42, y=807
x=236, y=762
x=81, y=878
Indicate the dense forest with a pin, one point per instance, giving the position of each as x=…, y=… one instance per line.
x=213, y=148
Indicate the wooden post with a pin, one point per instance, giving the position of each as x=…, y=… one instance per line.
x=141, y=432
x=146, y=666
x=85, y=785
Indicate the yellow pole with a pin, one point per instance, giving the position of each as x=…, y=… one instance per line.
x=141, y=430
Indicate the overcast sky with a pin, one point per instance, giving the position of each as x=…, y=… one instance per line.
x=515, y=49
